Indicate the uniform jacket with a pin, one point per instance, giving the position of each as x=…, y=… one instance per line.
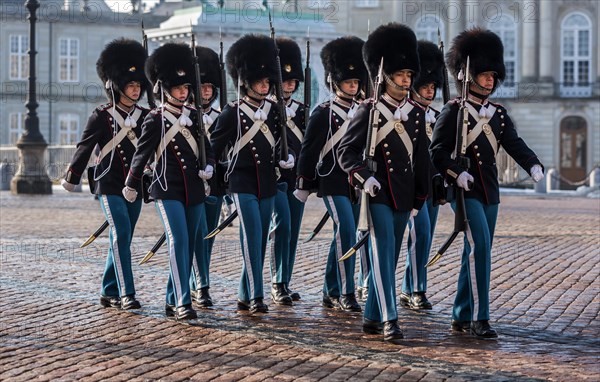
x=323, y=175
x=99, y=131
x=480, y=152
x=253, y=171
x=217, y=184
x=181, y=175
x=294, y=141
x=404, y=184
x=429, y=126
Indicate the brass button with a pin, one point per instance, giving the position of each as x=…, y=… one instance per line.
x=475, y=147
x=124, y=158
x=478, y=154
x=387, y=153
x=256, y=155
x=119, y=145
x=417, y=122
x=389, y=161
x=122, y=152
x=176, y=147
x=173, y=140
x=385, y=145
x=416, y=130
x=391, y=169
x=178, y=153
x=257, y=162
x=480, y=162
x=184, y=167
x=126, y=165
x=247, y=128
x=251, y=141
x=182, y=160
x=254, y=149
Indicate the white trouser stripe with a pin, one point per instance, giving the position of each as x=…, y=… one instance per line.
x=172, y=256
x=245, y=252
x=413, y=254
x=273, y=260
x=376, y=274
x=114, y=245
x=473, y=274
x=338, y=249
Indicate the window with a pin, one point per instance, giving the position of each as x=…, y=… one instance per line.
x=573, y=150
x=68, y=60
x=576, y=56
x=18, y=58
x=68, y=129
x=16, y=125
x=506, y=28
x=367, y=3
x=427, y=28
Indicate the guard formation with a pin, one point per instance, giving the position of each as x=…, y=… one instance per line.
x=376, y=152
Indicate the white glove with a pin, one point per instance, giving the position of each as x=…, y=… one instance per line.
x=289, y=164
x=67, y=186
x=130, y=194
x=536, y=173
x=414, y=212
x=301, y=195
x=206, y=189
x=463, y=180
x=371, y=186
x=207, y=173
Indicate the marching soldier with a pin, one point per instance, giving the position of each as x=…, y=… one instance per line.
x=421, y=227
x=489, y=126
x=211, y=85
x=115, y=128
x=288, y=210
x=319, y=170
x=171, y=133
x=398, y=187
x=250, y=127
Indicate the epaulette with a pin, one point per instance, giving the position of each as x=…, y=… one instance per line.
x=498, y=105
x=325, y=105
x=233, y=103
x=413, y=102
x=104, y=107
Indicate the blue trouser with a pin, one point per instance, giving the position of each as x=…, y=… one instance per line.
x=121, y=216
x=255, y=216
x=285, y=229
x=181, y=224
x=421, y=229
x=472, y=302
x=203, y=248
x=339, y=276
x=387, y=231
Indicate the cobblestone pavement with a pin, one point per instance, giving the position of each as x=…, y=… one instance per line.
x=544, y=303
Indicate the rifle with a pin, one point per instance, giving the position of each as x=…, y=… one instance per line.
x=223, y=90
x=460, y=215
x=198, y=105
x=149, y=93
x=363, y=218
x=283, y=147
x=368, y=82
x=307, y=80
x=445, y=85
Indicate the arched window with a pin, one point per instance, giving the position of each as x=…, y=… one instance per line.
x=427, y=26
x=506, y=28
x=576, y=56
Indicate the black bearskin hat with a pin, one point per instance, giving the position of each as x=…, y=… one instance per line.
x=122, y=61
x=172, y=64
x=432, y=65
x=342, y=59
x=397, y=44
x=251, y=58
x=291, y=59
x=485, y=50
x=210, y=72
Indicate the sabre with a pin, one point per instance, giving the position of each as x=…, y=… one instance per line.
x=460, y=215
x=154, y=249
x=318, y=227
x=355, y=247
x=222, y=226
x=95, y=235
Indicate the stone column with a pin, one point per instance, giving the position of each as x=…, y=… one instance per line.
x=529, y=47
x=547, y=24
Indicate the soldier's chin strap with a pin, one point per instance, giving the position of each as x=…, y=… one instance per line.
x=389, y=82
x=135, y=101
x=418, y=97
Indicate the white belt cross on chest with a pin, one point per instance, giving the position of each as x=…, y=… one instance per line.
x=291, y=113
x=125, y=131
x=393, y=124
x=258, y=125
x=335, y=138
x=482, y=126
x=178, y=125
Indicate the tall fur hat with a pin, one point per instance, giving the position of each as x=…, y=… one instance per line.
x=485, y=50
x=251, y=58
x=122, y=61
x=291, y=59
x=172, y=64
x=397, y=44
x=342, y=59
x=432, y=65
x=210, y=72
